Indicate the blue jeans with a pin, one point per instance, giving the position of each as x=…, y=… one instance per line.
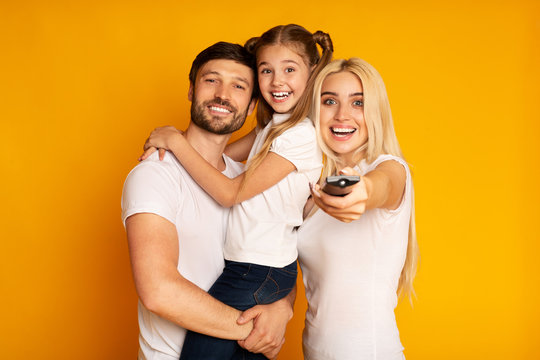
x=241, y=285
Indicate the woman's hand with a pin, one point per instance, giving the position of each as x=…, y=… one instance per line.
x=160, y=139
x=344, y=208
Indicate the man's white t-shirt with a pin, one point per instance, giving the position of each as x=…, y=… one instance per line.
x=262, y=229
x=166, y=189
x=351, y=273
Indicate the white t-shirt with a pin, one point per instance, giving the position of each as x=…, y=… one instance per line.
x=351, y=273
x=166, y=189
x=261, y=229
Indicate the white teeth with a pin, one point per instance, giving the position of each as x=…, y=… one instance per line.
x=342, y=131
x=281, y=94
x=219, y=109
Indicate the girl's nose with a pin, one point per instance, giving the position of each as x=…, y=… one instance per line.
x=277, y=80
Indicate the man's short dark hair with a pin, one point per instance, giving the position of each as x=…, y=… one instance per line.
x=225, y=51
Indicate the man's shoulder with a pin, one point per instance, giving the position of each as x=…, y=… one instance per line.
x=153, y=167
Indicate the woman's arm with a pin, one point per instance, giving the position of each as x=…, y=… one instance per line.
x=239, y=150
x=382, y=187
x=224, y=190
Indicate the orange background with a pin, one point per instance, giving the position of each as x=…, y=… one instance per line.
x=83, y=83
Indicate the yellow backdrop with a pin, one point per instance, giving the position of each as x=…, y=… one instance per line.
x=83, y=83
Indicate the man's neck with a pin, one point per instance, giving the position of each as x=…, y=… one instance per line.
x=209, y=145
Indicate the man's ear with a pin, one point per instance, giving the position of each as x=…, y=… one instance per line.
x=252, y=106
x=190, y=92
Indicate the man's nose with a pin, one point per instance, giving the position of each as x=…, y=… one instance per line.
x=223, y=92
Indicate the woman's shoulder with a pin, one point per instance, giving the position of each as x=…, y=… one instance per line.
x=368, y=166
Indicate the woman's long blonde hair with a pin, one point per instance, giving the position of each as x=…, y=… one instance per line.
x=304, y=43
x=381, y=140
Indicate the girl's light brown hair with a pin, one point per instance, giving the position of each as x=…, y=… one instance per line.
x=304, y=43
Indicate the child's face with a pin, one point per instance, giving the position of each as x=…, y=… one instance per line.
x=283, y=75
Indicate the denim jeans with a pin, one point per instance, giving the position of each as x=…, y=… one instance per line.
x=241, y=285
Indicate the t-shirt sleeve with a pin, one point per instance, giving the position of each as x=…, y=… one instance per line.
x=407, y=194
x=299, y=146
x=150, y=188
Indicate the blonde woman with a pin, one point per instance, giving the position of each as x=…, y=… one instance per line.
x=355, y=269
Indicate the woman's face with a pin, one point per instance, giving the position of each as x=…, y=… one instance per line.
x=283, y=75
x=342, y=124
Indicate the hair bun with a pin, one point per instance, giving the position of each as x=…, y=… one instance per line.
x=250, y=44
x=324, y=40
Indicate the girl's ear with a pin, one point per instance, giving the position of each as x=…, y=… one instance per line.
x=190, y=92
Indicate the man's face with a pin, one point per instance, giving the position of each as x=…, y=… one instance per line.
x=221, y=96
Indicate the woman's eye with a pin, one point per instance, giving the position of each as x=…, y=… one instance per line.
x=358, y=103
x=329, y=101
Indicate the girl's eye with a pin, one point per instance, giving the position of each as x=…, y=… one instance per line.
x=265, y=71
x=289, y=70
x=358, y=103
x=329, y=101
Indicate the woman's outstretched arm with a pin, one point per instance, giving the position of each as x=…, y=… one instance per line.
x=382, y=187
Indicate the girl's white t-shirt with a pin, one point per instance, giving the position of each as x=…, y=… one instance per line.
x=261, y=230
x=351, y=273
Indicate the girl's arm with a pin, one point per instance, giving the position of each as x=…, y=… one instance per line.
x=382, y=187
x=239, y=150
x=224, y=190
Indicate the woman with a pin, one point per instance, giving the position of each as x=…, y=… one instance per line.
x=354, y=270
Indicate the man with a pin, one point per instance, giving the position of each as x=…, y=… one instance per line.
x=176, y=231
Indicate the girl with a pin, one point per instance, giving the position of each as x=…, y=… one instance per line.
x=353, y=272
x=267, y=201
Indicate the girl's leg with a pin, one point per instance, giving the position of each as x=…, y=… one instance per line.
x=234, y=287
x=241, y=286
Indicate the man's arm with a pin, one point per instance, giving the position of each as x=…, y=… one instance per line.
x=153, y=248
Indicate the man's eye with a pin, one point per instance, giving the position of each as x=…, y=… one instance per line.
x=239, y=87
x=210, y=80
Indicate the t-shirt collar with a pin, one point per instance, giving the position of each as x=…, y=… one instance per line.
x=279, y=118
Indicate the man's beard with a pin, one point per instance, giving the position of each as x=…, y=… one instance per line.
x=215, y=124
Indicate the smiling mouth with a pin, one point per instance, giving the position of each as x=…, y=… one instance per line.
x=342, y=132
x=281, y=95
x=219, y=109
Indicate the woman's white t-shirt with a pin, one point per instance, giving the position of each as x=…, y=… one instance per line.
x=351, y=273
x=261, y=230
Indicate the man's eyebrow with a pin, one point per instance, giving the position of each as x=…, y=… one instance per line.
x=217, y=73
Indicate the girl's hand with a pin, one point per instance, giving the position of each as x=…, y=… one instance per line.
x=160, y=139
x=344, y=208
x=150, y=151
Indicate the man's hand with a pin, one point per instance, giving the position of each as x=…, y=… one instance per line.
x=269, y=325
